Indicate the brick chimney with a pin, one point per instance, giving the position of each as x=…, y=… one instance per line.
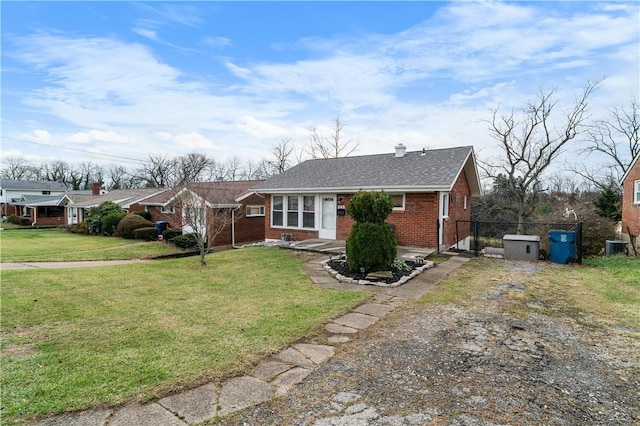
x=95, y=188
x=400, y=150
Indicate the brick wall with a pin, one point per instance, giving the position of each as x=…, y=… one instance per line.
x=174, y=219
x=457, y=212
x=416, y=225
x=276, y=233
x=631, y=211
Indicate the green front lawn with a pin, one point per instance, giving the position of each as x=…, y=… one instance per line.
x=55, y=245
x=79, y=338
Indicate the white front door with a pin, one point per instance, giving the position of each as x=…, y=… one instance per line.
x=444, y=215
x=327, y=217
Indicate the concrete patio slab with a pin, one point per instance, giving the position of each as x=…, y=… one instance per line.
x=243, y=392
x=145, y=415
x=356, y=320
x=316, y=353
x=337, y=338
x=374, y=309
x=332, y=327
x=267, y=370
x=84, y=418
x=195, y=405
x=289, y=379
x=294, y=356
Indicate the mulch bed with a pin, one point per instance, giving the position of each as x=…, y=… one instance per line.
x=341, y=267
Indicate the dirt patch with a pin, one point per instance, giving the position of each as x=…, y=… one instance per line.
x=481, y=364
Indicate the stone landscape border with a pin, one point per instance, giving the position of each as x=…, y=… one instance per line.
x=349, y=280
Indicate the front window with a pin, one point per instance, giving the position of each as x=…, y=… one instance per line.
x=309, y=212
x=277, y=207
x=167, y=209
x=398, y=201
x=293, y=211
x=636, y=192
x=255, y=211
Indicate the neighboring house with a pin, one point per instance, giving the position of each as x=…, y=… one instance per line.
x=244, y=208
x=128, y=199
x=431, y=190
x=631, y=205
x=12, y=192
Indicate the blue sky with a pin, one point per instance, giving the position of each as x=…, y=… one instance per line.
x=232, y=79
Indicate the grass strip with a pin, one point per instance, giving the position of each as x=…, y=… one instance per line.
x=80, y=338
x=55, y=245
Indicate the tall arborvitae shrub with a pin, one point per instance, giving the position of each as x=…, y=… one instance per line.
x=371, y=245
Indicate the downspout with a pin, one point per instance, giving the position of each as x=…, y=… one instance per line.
x=233, y=228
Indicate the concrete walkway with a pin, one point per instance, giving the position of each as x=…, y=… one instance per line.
x=274, y=376
x=63, y=265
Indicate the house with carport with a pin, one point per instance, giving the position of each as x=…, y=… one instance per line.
x=431, y=192
x=32, y=198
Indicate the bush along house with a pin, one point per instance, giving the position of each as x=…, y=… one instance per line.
x=431, y=191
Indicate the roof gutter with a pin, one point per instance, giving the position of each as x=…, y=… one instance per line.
x=432, y=188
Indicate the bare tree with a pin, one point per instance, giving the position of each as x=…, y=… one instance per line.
x=333, y=145
x=281, y=156
x=158, y=172
x=208, y=209
x=56, y=171
x=232, y=169
x=192, y=167
x=17, y=168
x=617, y=140
x=529, y=144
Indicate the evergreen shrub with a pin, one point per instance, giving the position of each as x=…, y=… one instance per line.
x=110, y=222
x=144, y=214
x=170, y=234
x=149, y=233
x=372, y=244
x=185, y=241
x=129, y=224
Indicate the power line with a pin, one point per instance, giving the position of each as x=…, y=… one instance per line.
x=120, y=157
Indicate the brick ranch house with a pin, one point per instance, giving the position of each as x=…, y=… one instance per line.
x=245, y=208
x=431, y=190
x=631, y=206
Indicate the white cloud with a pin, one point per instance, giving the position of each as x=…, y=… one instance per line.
x=144, y=32
x=99, y=136
x=429, y=85
x=195, y=142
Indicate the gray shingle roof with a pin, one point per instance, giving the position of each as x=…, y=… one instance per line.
x=122, y=197
x=435, y=170
x=33, y=185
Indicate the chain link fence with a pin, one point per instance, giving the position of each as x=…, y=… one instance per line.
x=534, y=241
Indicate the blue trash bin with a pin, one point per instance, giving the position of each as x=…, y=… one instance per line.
x=562, y=246
x=161, y=226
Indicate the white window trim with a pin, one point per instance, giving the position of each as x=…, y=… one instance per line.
x=636, y=192
x=259, y=207
x=404, y=199
x=285, y=202
x=465, y=201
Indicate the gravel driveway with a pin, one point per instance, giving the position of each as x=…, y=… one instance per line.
x=474, y=365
